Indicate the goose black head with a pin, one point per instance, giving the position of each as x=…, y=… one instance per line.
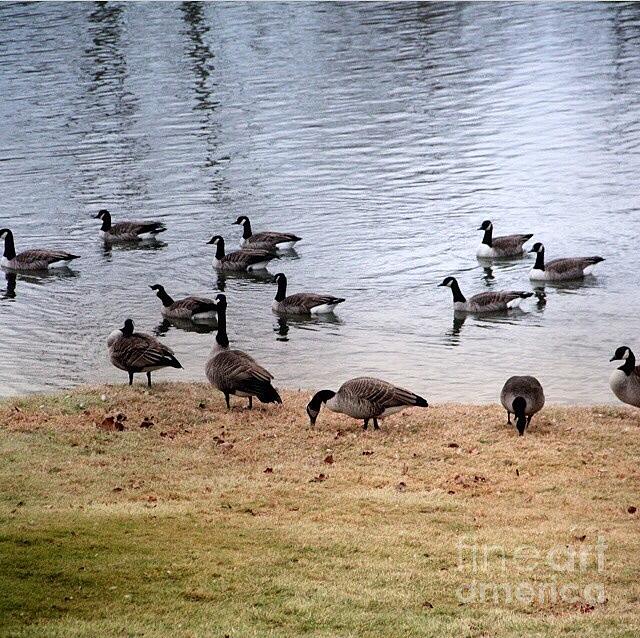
x=102, y=213
x=448, y=282
x=622, y=354
x=243, y=219
x=486, y=225
x=157, y=287
x=313, y=407
x=216, y=239
x=220, y=301
x=537, y=248
x=278, y=277
x=127, y=329
x=4, y=232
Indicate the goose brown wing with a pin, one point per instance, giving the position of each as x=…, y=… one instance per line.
x=498, y=297
x=247, y=257
x=136, y=228
x=271, y=237
x=510, y=242
x=569, y=264
x=194, y=305
x=309, y=300
x=378, y=392
x=42, y=257
x=140, y=351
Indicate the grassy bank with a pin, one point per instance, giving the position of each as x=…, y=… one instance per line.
x=192, y=521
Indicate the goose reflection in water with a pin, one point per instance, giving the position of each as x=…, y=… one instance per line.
x=201, y=327
x=314, y=323
x=243, y=278
x=150, y=244
x=10, y=292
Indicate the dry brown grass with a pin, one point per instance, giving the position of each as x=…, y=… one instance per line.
x=252, y=524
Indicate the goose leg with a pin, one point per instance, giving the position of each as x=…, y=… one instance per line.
x=375, y=424
x=250, y=402
x=366, y=424
x=508, y=417
x=529, y=419
x=226, y=398
x=148, y=379
x=130, y=378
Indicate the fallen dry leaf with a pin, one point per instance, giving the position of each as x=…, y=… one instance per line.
x=367, y=452
x=147, y=423
x=318, y=479
x=632, y=509
x=268, y=470
x=401, y=487
x=328, y=459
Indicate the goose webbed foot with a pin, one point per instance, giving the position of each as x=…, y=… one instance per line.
x=509, y=418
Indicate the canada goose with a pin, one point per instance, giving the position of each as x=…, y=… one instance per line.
x=194, y=308
x=235, y=372
x=266, y=238
x=522, y=396
x=561, y=269
x=505, y=246
x=34, y=259
x=364, y=398
x=625, y=380
x=302, y=303
x=127, y=231
x=138, y=352
x=485, y=301
x=244, y=259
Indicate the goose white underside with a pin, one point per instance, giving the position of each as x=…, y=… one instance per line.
x=10, y=264
x=204, y=316
x=324, y=309
x=287, y=245
x=261, y=265
x=515, y=303
x=621, y=386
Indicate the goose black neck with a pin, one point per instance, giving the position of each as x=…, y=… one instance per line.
x=282, y=289
x=220, y=249
x=164, y=297
x=519, y=406
x=106, y=221
x=221, y=336
x=629, y=364
x=246, y=232
x=457, y=293
x=539, y=265
x=9, y=246
x=321, y=397
x=488, y=236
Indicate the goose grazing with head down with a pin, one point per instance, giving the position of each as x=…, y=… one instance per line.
x=244, y=259
x=625, y=380
x=563, y=269
x=523, y=397
x=34, y=259
x=485, y=301
x=138, y=352
x=302, y=303
x=127, y=231
x=365, y=398
x=505, y=246
x=193, y=308
x=235, y=372
x=265, y=239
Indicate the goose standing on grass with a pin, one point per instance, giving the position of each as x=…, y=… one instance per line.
x=364, y=398
x=302, y=303
x=247, y=259
x=266, y=238
x=504, y=246
x=523, y=397
x=563, y=269
x=485, y=301
x=235, y=372
x=127, y=231
x=193, y=308
x=136, y=352
x=34, y=259
x=625, y=380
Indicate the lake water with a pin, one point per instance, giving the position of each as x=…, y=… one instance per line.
x=381, y=133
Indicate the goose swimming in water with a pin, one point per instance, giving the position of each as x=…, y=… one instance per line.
x=563, y=269
x=302, y=303
x=235, y=372
x=485, y=301
x=247, y=259
x=34, y=259
x=523, y=397
x=504, y=246
x=625, y=380
x=192, y=308
x=136, y=352
x=365, y=398
x=127, y=231
x=265, y=239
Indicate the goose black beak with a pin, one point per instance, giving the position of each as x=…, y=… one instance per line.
x=480, y=228
x=531, y=251
x=440, y=285
x=612, y=359
x=236, y=223
x=95, y=216
x=210, y=241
